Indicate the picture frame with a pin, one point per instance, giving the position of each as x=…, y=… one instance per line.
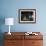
x=27, y=15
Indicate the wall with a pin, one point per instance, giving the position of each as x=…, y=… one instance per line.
x=9, y=8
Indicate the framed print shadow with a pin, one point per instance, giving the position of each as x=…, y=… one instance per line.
x=27, y=15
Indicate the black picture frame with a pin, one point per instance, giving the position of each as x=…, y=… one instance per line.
x=27, y=15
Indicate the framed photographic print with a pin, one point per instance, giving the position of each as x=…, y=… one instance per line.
x=27, y=15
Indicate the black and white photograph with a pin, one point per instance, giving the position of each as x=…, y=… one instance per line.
x=27, y=15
